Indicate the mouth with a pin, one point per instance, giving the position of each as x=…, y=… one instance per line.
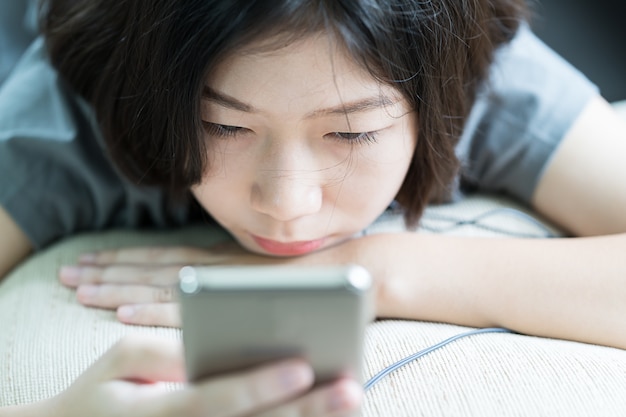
x=288, y=248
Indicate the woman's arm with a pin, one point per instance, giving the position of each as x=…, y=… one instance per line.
x=565, y=288
x=584, y=186
x=125, y=381
x=14, y=245
x=562, y=288
x=27, y=410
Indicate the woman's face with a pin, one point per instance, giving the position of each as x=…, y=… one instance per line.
x=305, y=147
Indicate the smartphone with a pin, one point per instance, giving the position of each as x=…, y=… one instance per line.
x=235, y=317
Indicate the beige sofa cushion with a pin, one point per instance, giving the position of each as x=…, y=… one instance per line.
x=47, y=339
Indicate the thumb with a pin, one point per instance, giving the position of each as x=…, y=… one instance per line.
x=141, y=358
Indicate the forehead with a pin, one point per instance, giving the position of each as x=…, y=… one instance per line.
x=312, y=72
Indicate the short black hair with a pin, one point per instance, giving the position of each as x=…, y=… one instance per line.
x=142, y=65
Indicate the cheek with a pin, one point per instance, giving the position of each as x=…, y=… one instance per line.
x=220, y=190
x=215, y=198
x=385, y=165
x=374, y=181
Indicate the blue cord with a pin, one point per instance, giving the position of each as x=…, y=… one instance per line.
x=376, y=378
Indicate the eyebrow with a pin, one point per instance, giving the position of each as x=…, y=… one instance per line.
x=226, y=100
x=363, y=105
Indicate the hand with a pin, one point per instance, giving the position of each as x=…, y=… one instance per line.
x=127, y=381
x=140, y=282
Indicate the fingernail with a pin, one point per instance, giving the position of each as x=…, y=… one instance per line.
x=125, y=312
x=295, y=376
x=86, y=292
x=70, y=275
x=347, y=396
x=87, y=258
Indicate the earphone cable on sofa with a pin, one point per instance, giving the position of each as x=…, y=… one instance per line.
x=376, y=378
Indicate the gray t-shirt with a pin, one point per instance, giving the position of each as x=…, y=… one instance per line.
x=56, y=178
x=531, y=100
x=18, y=28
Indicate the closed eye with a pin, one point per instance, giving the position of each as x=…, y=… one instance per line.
x=353, y=137
x=224, y=131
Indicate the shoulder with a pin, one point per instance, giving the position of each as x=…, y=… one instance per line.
x=530, y=100
x=34, y=102
x=56, y=177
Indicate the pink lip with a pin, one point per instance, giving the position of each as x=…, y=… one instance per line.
x=288, y=248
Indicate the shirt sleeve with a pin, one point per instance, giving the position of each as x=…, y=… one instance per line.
x=55, y=176
x=530, y=101
x=18, y=28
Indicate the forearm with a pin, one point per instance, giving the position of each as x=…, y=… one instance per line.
x=14, y=245
x=27, y=410
x=563, y=288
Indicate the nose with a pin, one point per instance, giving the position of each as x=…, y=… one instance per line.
x=286, y=195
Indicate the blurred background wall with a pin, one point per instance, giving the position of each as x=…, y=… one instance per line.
x=591, y=34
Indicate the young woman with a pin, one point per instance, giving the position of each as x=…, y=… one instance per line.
x=294, y=125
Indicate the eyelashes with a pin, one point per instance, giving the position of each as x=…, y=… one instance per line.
x=227, y=131
x=223, y=131
x=353, y=137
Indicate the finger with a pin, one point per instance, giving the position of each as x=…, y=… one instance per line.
x=166, y=315
x=150, y=255
x=246, y=393
x=75, y=275
x=342, y=398
x=112, y=296
x=141, y=358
